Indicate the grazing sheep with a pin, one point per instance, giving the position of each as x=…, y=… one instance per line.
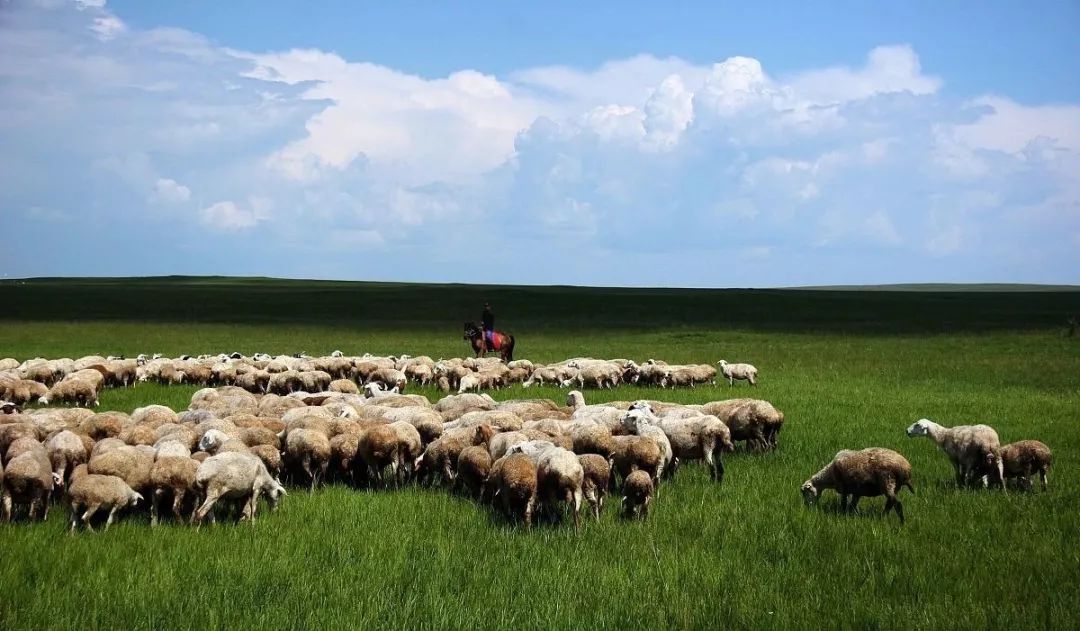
x=410, y=449
x=752, y=420
x=130, y=464
x=634, y=453
x=473, y=468
x=967, y=446
x=343, y=385
x=66, y=450
x=742, y=372
x=238, y=477
x=643, y=423
x=597, y=477
x=864, y=473
x=559, y=477
x=388, y=378
x=514, y=479
x=701, y=437
x=28, y=479
x=310, y=450
x=90, y=493
x=637, y=494
x=379, y=448
x=77, y=391
x=1024, y=459
x=173, y=475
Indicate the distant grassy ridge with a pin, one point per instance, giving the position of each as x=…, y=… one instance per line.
x=424, y=306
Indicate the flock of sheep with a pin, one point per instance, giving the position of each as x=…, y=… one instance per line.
x=306, y=421
x=79, y=381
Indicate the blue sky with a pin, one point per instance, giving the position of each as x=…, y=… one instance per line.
x=711, y=144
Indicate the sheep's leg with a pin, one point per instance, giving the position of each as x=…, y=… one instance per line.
x=7, y=507
x=112, y=514
x=178, y=504
x=33, y=508
x=93, y=508
x=212, y=497
x=305, y=463
x=853, y=504
x=74, y=519
x=645, y=507
x=155, y=505
x=1042, y=478
x=576, y=503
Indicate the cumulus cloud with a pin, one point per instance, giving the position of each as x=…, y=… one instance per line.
x=170, y=191
x=661, y=170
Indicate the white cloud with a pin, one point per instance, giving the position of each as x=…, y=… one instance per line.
x=108, y=27
x=170, y=191
x=888, y=69
x=228, y=216
x=82, y=5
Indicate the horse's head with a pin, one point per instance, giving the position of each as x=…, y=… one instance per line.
x=471, y=330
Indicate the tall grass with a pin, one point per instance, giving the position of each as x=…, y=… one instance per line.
x=747, y=554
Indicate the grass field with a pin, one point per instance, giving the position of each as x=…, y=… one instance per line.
x=850, y=369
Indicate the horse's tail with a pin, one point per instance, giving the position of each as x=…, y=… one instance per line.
x=510, y=350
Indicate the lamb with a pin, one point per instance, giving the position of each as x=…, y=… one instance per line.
x=967, y=446
x=865, y=473
x=66, y=450
x=637, y=494
x=90, y=493
x=28, y=479
x=597, y=476
x=1024, y=459
x=559, y=477
x=235, y=476
x=473, y=468
x=742, y=372
x=175, y=475
x=514, y=479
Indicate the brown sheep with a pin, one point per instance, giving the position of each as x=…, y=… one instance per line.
x=308, y=449
x=864, y=473
x=379, y=448
x=595, y=483
x=67, y=450
x=130, y=464
x=1024, y=459
x=515, y=481
x=635, y=453
x=473, y=468
x=270, y=456
x=592, y=438
x=28, y=479
x=637, y=494
x=173, y=475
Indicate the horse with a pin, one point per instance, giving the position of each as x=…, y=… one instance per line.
x=503, y=343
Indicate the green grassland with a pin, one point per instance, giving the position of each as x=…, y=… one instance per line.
x=850, y=369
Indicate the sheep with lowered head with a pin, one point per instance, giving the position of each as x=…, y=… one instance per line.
x=967, y=446
x=1025, y=458
x=864, y=473
x=235, y=476
x=741, y=372
x=637, y=494
x=594, y=485
x=559, y=477
x=91, y=492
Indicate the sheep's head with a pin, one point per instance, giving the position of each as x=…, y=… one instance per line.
x=809, y=493
x=134, y=498
x=58, y=480
x=212, y=439
x=920, y=427
x=484, y=434
x=721, y=363
x=643, y=405
x=634, y=419
x=574, y=399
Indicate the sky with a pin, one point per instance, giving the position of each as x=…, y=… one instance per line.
x=633, y=144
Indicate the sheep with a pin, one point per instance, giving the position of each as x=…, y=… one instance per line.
x=637, y=494
x=441, y=455
x=864, y=473
x=597, y=476
x=90, y=493
x=28, y=479
x=175, y=475
x=11, y=432
x=967, y=446
x=641, y=422
x=76, y=391
x=410, y=448
x=270, y=456
x=590, y=438
x=1024, y=459
x=130, y=464
x=66, y=450
x=742, y=372
x=700, y=437
x=559, y=477
x=473, y=468
x=22, y=391
x=633, y=453
x=454, y=406
x=514, y=479
x=235, y=476
x=379, y=448
x=388, y=378
x=310, y=450
x=343, y=385
x=215, y=441
x=752, y=420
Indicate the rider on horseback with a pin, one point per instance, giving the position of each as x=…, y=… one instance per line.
x=487, y=321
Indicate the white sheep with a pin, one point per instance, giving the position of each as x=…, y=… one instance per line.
x=742, y=372
x=969, y=448
x=235, y=476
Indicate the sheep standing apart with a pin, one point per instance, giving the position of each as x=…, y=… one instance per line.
x=1024, y=459
x=559, y=477
x=235, y=476
x=594, y=485
x=865, y=473
x=741, y=372
x=967, y=446
x=90, y=493
x=637, y=494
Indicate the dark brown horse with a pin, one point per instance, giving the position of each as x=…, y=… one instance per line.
x=503, y=343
